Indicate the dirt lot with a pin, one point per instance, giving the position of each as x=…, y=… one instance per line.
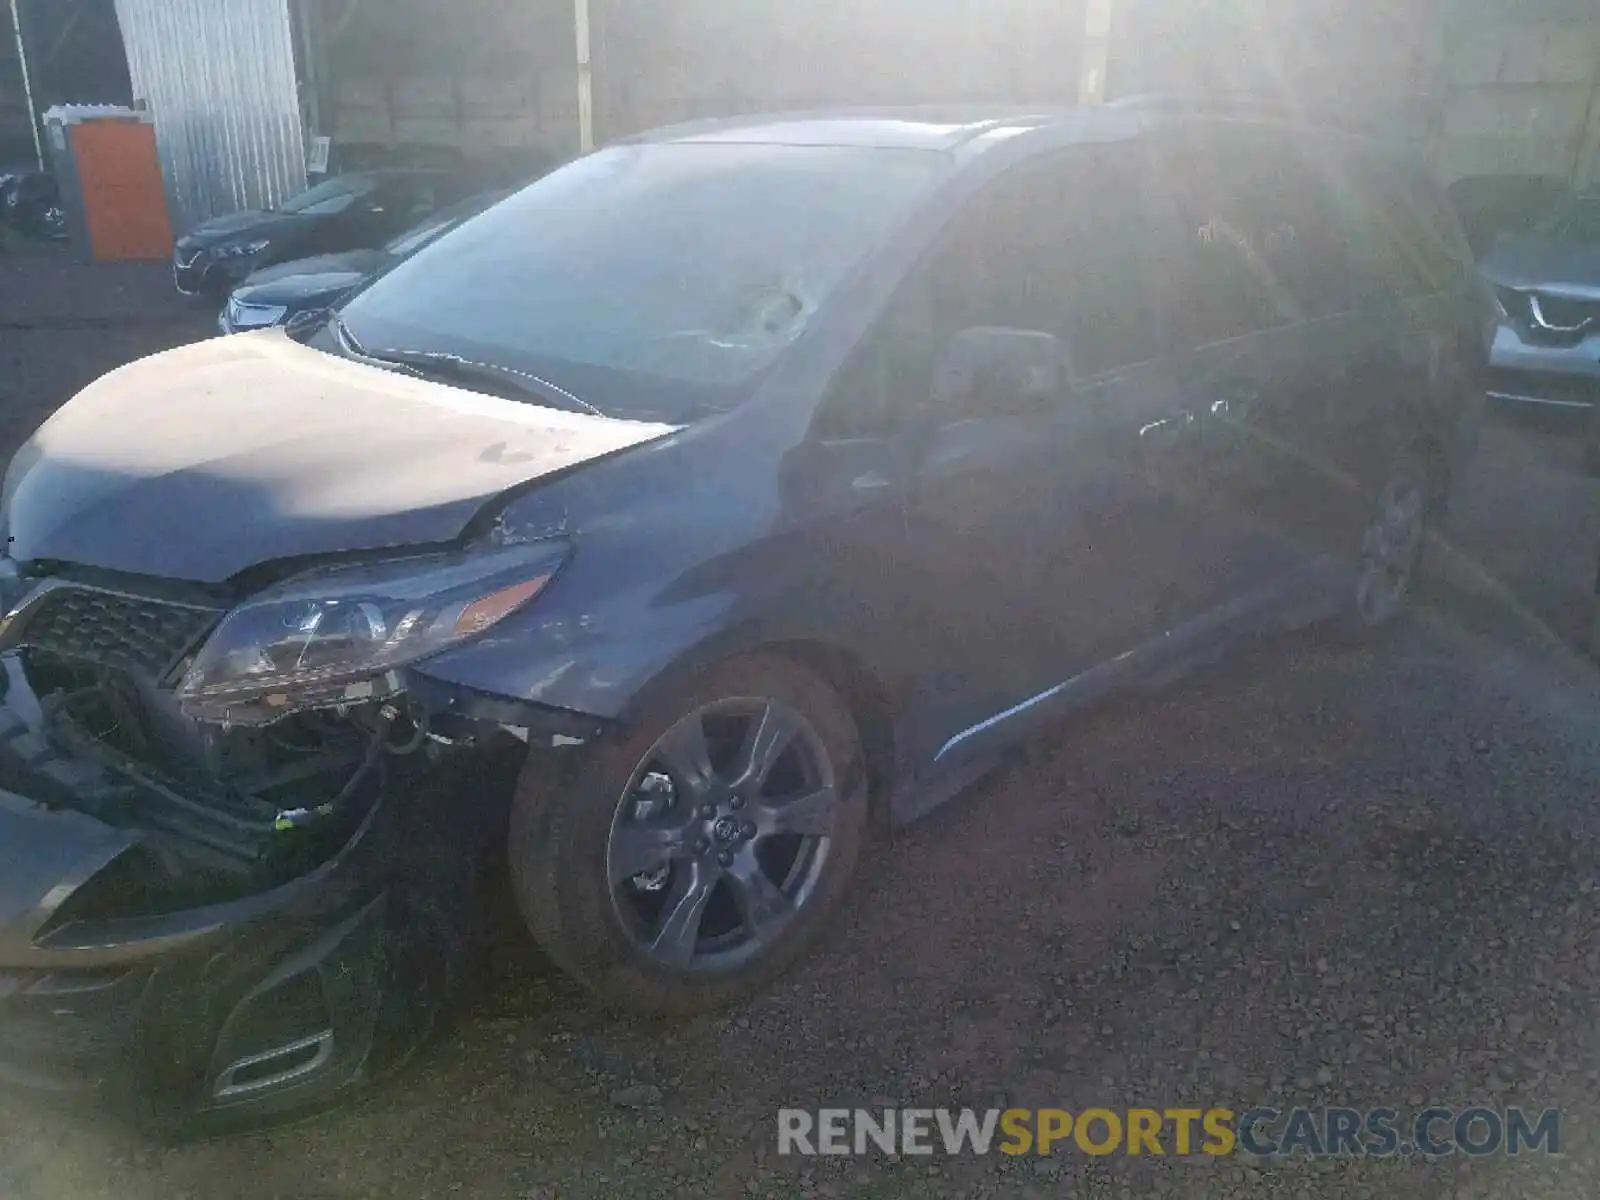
x=1309, y=876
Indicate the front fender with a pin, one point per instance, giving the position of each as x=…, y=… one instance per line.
x=591, y=664
x=576, y=677
x=681, y=555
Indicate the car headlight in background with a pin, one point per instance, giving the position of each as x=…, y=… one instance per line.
x=337, y=636
x=242, y=249
x=239, y=315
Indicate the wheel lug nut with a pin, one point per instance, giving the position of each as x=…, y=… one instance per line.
x=702, y=847
x=738, y=803
x=708, y=811
x=725, y=859
x=749, y=830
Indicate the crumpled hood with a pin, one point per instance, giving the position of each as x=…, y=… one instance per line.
x=201, y=462
x=1533, y=261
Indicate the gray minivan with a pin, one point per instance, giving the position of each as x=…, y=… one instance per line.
x=656, y=536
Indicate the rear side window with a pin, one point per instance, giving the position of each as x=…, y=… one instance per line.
x=1240, y=234
x=1264, y=231
x=1412, y=241
x=1316, y=265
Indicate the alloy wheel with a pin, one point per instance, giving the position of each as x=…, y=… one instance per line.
x=719, y=840
x=1390, y=549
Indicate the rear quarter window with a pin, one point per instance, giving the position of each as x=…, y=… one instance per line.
x=1414, y=245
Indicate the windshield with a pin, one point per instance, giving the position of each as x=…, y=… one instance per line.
x=693, y=264
x=414, y=239
x=446, y=219
x=1576, y=220
x=330, y=196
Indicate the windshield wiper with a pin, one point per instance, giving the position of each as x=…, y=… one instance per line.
x=436, y=364
x=503, y=381
x=348, y=343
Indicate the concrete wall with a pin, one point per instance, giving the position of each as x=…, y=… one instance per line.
x=1354, y=59
x=485, y=73
x=665, y=62
x=475, y=74
x=1488, y=87
x=1519, y=89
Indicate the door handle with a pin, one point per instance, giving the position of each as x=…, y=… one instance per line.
x=1167, y=433
x=1235, y=401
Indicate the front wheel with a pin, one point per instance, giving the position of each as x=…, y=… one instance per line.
x=684, y=865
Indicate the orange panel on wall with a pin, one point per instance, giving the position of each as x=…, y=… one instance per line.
x=125, y=201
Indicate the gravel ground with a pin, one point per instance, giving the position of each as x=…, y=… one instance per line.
x=1308, y=876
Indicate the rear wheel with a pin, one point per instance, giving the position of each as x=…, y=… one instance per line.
x=1591, y=446
x=1389, y=557
x=683, y=866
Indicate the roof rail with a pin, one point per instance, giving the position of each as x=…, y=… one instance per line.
x=1214, y=102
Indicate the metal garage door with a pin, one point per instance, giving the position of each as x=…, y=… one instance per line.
x=219, y=78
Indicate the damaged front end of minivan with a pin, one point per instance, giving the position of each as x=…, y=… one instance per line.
x=240, y=857
x=244, y=835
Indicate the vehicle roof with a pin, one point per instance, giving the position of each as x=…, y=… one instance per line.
x=911, y=128
x=949, y=127
x=390, y=172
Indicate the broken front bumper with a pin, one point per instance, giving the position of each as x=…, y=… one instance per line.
x=222, y=1014
x=263, y=1004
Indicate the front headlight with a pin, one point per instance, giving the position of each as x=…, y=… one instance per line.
x=337, y=636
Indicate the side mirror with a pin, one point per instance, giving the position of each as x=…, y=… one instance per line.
x=989, y=372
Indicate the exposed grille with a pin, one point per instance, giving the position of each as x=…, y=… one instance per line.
x=114, y=629
x=1565, y=312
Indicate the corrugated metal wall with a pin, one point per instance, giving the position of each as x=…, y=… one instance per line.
x=219, y=78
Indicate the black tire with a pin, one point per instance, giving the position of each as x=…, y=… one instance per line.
x=562, y=829
x=1591, y=452
x=1361, y=621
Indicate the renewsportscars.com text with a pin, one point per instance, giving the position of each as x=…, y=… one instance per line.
x=1262, y=1131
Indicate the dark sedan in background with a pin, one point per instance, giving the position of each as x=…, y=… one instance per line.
x=30, y=203
x=276, y=295
x=348, y=212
